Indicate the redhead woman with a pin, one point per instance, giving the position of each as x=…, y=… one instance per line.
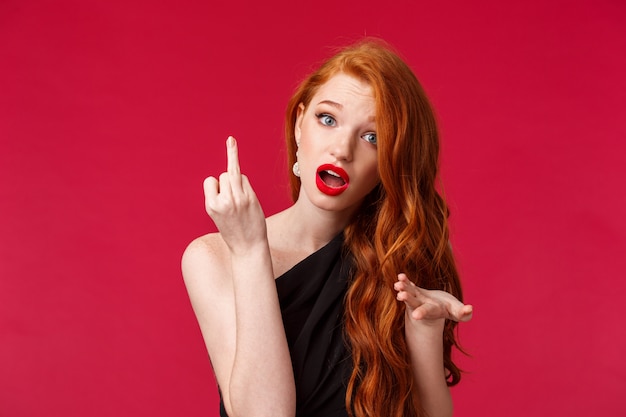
x=345, y=303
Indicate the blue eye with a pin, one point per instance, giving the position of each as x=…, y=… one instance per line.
x=370, y=137
x=326, y=119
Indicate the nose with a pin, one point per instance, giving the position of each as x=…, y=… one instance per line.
x=342, y=147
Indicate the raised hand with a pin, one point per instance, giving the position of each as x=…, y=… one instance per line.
x=430, y=305
x=233, y=206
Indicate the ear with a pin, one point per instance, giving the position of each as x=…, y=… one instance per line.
x=297, y=131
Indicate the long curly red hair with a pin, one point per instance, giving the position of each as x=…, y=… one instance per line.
x=400, y=227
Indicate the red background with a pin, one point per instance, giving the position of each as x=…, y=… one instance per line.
x=112, y=113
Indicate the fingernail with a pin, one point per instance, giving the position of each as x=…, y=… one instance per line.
x=230, y=141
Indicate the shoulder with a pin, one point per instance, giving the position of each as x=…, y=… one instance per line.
x=205, y=246
x=205, y=258
x=208, y=278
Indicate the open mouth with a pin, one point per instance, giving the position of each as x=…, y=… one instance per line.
x=331, y=180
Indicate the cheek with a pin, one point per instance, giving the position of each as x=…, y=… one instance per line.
x=376, y=178
x=304, y=150
x=371, y=173
x=309, y=148
x=302, y=139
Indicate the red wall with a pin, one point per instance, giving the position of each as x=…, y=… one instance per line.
x=112, y=112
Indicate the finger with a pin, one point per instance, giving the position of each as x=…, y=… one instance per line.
x=247, y=187
x=405, y=297
x=403, y=283
x=458, y=311
x=408, y=292
x=410, y=296
x=402, y=277
x=225, y=184
x=211, y=189
x=233, y=169
x=464, y=313
x=429, y=311
x=400, y=286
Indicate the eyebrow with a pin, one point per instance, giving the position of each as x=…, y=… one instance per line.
x=340, y=107
x=331, y=103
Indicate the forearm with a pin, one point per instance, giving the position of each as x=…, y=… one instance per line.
x=425, y=344
x=262, y=382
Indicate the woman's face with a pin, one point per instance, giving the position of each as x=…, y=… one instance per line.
x=337, y=152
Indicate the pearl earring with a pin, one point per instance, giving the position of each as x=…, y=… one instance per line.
x=296, y=169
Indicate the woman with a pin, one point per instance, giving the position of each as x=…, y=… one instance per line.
x=345, y=302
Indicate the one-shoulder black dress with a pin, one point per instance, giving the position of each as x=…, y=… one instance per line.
x=311, y=300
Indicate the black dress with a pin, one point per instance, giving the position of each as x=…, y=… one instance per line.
x=311, y=300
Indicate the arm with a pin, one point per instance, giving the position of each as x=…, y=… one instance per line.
x=262, y=381
x=426, y=312
x=240, y=316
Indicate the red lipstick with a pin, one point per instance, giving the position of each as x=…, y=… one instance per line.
x=331, y=180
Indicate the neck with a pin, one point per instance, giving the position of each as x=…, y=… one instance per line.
x=307, y=227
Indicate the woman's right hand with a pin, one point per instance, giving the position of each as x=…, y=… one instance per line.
x=233, y=206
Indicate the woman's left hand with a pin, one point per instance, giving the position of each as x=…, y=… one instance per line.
x=430, y=306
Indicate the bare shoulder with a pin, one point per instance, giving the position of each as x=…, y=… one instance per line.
x=206, y=245
x=207, y=274
x=206, y=256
